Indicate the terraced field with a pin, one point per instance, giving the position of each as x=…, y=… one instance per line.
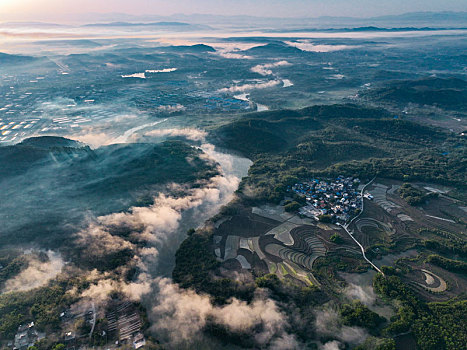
x=370, y=229
x=379, y=194
x=123, y=321
x=282, y=233
x=296, y=257
x=270, y=239
x=432, y=282
x=305, y=250
x=306, y=241
x=231, y=247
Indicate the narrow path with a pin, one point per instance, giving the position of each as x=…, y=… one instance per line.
x=362, y=249
x=93, y=319
x=361, y=195
x=437, y=217
x=345, y=227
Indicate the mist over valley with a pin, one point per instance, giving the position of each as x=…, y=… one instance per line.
x=233, y=182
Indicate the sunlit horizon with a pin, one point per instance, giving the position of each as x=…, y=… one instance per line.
x=63, y=11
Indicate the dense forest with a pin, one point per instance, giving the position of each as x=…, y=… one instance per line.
x=448, y=93
x=77, y=181
x=436, y=326
x=341, y=140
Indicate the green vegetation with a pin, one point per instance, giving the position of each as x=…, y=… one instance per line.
x=292, y=207
x=326, y=141
x=336, y=238
x=373, y=343
x=12, y=266
x=255, y=134
x=107, y=179
x=194, y=266
x=444, y=242
x=269, y=280
x=59, y=347
x=325, y=218
x=46, y=344
x=326, y=266
x=101, y=181
x=107, y=262
x=448, y=264
x=357, y=314
x=435, y=325
x=285, y=291
x=446, y=246
x=448, y=93
x=414, y=196
x=41, y=305
x=298, y=300
x=420, y=166
x=194, y=260
x=393, y=288
x=386, y=344
x=82, y=326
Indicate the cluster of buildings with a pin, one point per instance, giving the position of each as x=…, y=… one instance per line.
x=26, y=336
x=124, y=328
x=25, y=109
x=18, y=115
x=338, y=199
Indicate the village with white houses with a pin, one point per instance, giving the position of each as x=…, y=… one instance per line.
x=335, y=201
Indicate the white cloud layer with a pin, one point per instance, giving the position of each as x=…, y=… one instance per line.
x=188, y=133
x=265, y=69
x=327, y=322
x=363, y=293
x=37, y=274
x=307, y=45
x=180, y=316
x=251, y=86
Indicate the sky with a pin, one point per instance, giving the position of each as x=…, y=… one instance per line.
x=57, y=10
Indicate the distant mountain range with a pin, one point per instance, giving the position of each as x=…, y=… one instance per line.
x=29, y=24
x=177, y=26
x=203, y=18
x=128, y=24
x=434, y=16
x=276, y=48
x=15, y=59
x=187, y=48
x=369, y=29
x=413, y=19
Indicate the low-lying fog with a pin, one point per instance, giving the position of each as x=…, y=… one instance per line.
x=120, y=94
